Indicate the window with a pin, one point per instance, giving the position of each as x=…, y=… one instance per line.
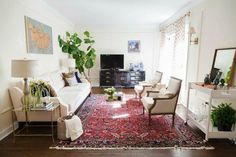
x=174, y=50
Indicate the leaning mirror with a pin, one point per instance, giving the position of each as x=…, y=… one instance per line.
x=223, y=67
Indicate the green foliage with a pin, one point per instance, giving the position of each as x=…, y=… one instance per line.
x=224, y=114
x=110, y=92
x=227, y=78
x=38, y=89
x=85, y=59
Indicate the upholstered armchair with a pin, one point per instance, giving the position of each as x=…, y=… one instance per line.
x=164, y=101
x=142, y=87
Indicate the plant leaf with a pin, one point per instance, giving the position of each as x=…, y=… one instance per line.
x=68, y=34
x=87, y=34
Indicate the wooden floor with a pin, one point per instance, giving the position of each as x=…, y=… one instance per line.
x=39, y=147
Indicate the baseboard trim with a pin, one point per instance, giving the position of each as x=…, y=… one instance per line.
x=7, y=131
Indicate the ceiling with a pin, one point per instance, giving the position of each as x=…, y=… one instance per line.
x=114, y=12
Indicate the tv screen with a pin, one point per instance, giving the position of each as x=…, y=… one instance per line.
x=112, y=61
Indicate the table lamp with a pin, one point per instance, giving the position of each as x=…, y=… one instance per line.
x=69, y=63
x=24, y=68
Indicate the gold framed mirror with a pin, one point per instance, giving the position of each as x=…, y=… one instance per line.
x=224, y=64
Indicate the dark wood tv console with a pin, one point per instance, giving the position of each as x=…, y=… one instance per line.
x=120, y=78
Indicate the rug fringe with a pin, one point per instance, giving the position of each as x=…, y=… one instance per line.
x=133, y=148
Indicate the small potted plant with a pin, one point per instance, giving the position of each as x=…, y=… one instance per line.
x=223, y=116
x=110, y=92
x=39, y=89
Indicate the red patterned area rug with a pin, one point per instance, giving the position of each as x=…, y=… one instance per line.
x=116, y=125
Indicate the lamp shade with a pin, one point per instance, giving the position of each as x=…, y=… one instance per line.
x=70, y=62
x=24, y=68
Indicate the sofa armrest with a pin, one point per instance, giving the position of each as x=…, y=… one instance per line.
x=64, y=107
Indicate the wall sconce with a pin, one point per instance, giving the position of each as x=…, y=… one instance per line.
x=193, y=36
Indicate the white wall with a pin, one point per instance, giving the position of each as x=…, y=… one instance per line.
x=13, y=45
x=218, y=30
x=114, y=40
x=215, y=23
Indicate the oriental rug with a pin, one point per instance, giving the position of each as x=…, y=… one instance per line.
x=121, y=125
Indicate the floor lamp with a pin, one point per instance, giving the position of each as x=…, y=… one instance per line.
x=24, y=68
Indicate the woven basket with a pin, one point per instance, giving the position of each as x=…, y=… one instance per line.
x=61, y=127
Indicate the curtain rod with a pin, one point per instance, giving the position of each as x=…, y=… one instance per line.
x=187, y=14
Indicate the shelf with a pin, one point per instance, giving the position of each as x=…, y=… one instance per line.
x=201, y=124
x=212, y=95
x=222, y=134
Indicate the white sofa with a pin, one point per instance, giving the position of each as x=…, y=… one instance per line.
x=69, y=97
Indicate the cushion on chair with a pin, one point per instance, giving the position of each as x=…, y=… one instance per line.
x=174, y=86
x=147, y=102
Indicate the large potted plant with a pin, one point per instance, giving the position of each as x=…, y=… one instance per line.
x=80, y=49
x=223, y=116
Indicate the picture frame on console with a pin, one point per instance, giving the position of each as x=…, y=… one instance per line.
x=223, y=67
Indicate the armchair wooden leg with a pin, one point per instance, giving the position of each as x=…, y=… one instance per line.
x=143, y=110
x=173, y=120
x=139, y=96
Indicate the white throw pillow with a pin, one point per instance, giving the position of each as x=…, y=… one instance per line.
x=72, y=81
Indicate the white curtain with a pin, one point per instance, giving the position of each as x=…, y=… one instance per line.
x=174, y=50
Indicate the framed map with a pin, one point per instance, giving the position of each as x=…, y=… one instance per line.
x=38, y=37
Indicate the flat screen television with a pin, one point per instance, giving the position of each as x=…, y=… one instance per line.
x=115, y=61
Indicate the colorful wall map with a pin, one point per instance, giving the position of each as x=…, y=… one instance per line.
x=38, y=37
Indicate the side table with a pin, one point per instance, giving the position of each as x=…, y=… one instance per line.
x=52, y=110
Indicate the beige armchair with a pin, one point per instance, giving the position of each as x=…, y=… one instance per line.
x=163, y=101
x=142, y=87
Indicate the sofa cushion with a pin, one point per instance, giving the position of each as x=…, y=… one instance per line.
x=57, y=80
x=67, y=75
x=74, y=95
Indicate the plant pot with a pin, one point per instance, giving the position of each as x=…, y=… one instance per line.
x=224, y=127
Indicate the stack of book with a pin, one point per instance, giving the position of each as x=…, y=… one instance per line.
x=43, y=107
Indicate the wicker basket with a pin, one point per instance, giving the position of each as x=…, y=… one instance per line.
x=61, y=127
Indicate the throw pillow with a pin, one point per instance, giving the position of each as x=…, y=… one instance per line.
x=77, y=75
x=67, y=75
x=52, y=91
x=72, y=81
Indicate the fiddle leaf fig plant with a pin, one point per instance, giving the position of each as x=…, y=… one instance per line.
x=80, y=49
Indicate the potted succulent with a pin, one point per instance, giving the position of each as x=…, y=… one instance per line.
x=110, y=92
x=223, y=116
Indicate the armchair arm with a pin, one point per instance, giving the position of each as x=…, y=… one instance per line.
x=164, y=97
x=152, y=91
x=145, y=84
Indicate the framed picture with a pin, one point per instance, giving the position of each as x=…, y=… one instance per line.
x=134, y=46
x=38, y=37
